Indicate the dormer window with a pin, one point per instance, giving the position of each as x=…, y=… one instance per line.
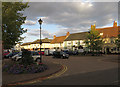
x=101, y=34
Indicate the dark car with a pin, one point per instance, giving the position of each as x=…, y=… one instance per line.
x=68, y=52
x=60, y=54
x=75, y=52
x=11, y=54
x=92, y=53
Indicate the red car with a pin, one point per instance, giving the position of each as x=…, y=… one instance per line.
x=41, y=52
x=5, y=53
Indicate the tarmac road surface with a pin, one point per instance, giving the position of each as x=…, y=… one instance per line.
x=85, y=70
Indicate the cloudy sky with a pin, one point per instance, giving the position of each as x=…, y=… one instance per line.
x=61, y=17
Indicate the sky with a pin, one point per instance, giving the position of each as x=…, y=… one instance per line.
x=62, y=17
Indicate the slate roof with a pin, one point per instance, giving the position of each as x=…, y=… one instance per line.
x=76, y=36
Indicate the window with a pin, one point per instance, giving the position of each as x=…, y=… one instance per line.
x=114, y=48
x=69, y=43
x=112, y=41
x=65, y=47
x=35, y=53
x=101, y=34
x=118, y=49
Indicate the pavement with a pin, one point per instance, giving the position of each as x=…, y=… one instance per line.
x=21, y=79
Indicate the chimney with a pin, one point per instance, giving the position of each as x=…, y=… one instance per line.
x=54, y=36
x=115, y=24
x=67, y=34
x=93, y=27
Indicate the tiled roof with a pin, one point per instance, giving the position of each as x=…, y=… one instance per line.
x=26, y=43
x=46, y=40
x=76, y=36
x=109, y=31
x=58, y=39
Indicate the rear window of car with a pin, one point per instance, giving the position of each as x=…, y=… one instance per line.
x=35, y=53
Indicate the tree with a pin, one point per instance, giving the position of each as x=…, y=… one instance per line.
x=12, y=19
x=26, y=59
x=94, y=41
x=117, y=41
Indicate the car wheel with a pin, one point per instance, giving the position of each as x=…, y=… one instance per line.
x=19, y=59
x=38, y=60
x=14, y=59
x=53, y=56
x=67, y=57
x=62, y=57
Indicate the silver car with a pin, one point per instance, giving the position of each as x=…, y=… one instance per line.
x=34, y=54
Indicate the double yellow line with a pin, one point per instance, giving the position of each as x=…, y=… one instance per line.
x=59, y=73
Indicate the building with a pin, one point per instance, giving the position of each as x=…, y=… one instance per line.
x=109, y=35
x=17, y=47
x=35, y=45
x=57, y=42
x=75, y=41
x=26, y=46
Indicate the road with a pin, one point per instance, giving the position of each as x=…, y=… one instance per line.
x=85, y=70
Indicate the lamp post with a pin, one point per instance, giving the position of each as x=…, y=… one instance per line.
x=40, y=22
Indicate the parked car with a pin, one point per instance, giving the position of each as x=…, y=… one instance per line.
x=42, y=52
x=34, y=54
x=68, y=52
x=60, y=54
x=11, y=54
x=75, y=52
x=92, y=53
x=17, y=56
x=5, y=53
x=49, y=52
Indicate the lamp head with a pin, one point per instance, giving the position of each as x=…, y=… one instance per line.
x=40, y=21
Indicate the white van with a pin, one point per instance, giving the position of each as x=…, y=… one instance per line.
x=49, y=52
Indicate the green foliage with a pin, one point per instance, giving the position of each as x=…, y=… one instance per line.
x=12, y=19
x=117, y=41
x=94, y=41
x=26, y=59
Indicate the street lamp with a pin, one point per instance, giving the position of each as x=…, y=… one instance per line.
x=40, y=22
